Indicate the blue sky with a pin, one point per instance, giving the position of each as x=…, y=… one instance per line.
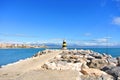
x=83, y=22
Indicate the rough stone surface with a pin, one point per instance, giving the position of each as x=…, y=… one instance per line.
x=62, y=66
x=112, y=61
x=97, y=63
x=112, y=70
x=88, y=64
x=118, y=59
x=92, y=71
x=67, y=60
x=103, y=77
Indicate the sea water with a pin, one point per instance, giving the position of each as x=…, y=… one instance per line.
x=12, y=55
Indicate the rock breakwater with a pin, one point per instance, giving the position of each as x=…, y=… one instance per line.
x=90, y=65
x=56, y=64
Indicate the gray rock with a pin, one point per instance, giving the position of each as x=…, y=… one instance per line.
x=113, y=70
x=107, y=67
x=78, y=53
x=62, y=54
x=118, y=78
x=106, y=77
x=39, y=53
x=97, y=63
x=118, y=59
x=104, y=54
x=103, y=77
x=97, y=55
x=112, y=60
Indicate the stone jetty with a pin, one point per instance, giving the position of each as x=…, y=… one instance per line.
x=89, y=64
x=56, y=64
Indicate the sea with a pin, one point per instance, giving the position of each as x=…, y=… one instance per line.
x=8, y=56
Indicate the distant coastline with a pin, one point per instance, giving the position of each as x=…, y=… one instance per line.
x=10, y=45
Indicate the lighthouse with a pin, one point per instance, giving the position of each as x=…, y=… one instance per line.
x=64, y=45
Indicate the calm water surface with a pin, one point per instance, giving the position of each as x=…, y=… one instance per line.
x=12, y=55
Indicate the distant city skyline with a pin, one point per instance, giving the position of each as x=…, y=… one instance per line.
x=82, y=22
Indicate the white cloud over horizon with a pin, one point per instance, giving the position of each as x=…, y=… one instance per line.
x=58, y=41
x=102, y=40
x=97, y=42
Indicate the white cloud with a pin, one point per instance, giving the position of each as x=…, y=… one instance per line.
x=96, y=42
x=116, y=21
x=102, y=40
x=89, y=44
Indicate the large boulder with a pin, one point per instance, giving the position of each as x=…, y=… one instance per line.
x=113, y=70
x=49, y=66
x=41, y=53
x=103, y=77
x=118, y=59
x=92, y=71
x=106, y=55
x=112, y=61
x=97, y=63
x=97, y=55
x=107, y=67
x=62, y=65
x=94, y=74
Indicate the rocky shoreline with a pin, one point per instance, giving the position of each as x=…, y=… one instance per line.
x=90, y=65
x=55, y=63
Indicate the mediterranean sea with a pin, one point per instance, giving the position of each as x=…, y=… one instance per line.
x=12, y=55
